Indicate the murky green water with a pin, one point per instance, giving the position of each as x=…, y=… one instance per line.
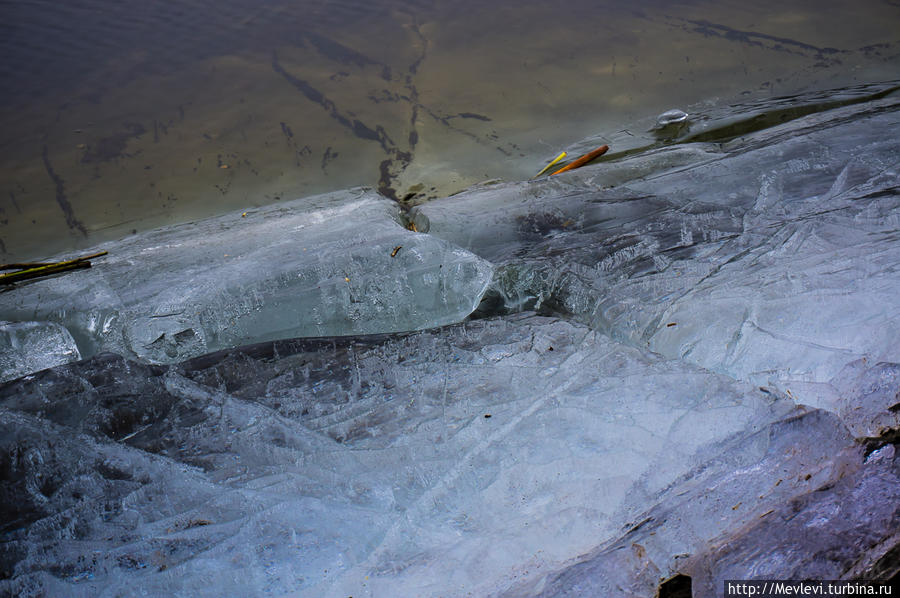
x=124, y=116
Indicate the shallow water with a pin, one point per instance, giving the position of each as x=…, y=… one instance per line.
x=118, y=117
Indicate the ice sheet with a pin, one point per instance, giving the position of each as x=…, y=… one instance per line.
x=819, y=536
x=677, y=358
x=27, y=347
x=340, y=263
x=771, y=257
x=451, y=460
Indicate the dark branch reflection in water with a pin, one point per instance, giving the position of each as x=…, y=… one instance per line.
x=120, y=116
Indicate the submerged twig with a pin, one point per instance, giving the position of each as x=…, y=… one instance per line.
x=583, y=159
x=37, y=270
x=23, y=265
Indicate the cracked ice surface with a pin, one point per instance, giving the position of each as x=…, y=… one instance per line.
x=369, y=466
x=828, y=533
x=771, y=257
x=684, y=357
x=313, y=267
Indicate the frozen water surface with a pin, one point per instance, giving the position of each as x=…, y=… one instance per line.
x=681, y=360
x=455, y=459
x=771, y=257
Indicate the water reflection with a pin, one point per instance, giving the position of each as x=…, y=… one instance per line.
x=120, y=116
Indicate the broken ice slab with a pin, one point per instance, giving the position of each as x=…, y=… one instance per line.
x=865, y=395
x=335, y=264
x=27, y=347
x=848, y=530
x=469, y=457
x=729, y=491
x=771, y=258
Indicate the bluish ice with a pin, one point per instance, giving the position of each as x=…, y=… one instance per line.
x=678, y=361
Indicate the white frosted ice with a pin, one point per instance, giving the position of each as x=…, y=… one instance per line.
x=27, y=347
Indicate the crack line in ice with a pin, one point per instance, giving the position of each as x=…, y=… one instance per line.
x=808, y=344
x=838, y=190
x=394, y=534
x=654, y=325
x=736, y=338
